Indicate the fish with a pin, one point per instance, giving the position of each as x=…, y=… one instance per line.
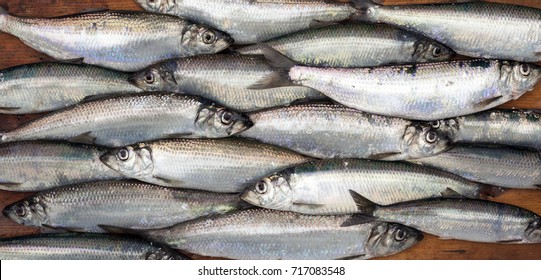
x=226, y=165
x=262, y=234
x=322, y=187
x=224, y=78
x=456, y=218
x=128, y=204
x=478, y=29
x=252, y=21
x=519, y=128
x=334, y=131
x=41, y=165
x=424, y=91
x=83, y=247
x=49, y=86
x=499, y=166
x=122, y=120
x=355, y=45
x=120, y=40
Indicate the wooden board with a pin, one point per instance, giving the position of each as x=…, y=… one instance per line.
x=14, y=52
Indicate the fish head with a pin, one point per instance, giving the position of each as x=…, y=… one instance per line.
x=533, y=232
x=216, y=122
x=388, y=238
x=423, y=140
x=449, y=128
x=273, y=192
x=428, y=51
x=157, y=6
x=29, y=212
x=199, y=39
x=519, y=77
x=161, y=254
x=158, y=77
x=131, y=161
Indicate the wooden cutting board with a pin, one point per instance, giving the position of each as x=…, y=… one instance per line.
x=14, y=52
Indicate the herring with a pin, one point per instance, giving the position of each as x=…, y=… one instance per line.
x=120, y=40
x=322, y=187
x=127, y=119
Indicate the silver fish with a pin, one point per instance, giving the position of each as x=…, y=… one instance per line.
x=128, y=119
x=520, y=128
x=334, y=131
x=355, y=45
x=322, y=188
x=218, y=165
x=428, y=91
x=472, y=29
x=42, y=87
x=125, y=204
x=261, y=234
x=121, y=40
x=83, y=247
x=249, y=21
x=224, y=79
x=39, y=165
x=464, y=219
x=505, y=167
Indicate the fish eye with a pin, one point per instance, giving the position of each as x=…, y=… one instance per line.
x=20, y=210
x=400, y=235
x=435, y=124
x=525, y=69
x=149, y=78
x=227, y=117
x=431, y=137
x=436, y=52
x=123, y=154
x=209, y=37
x=261, y=187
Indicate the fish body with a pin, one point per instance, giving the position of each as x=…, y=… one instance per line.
x=42, y=87
x=128, y=119
x=479, y=29
x=82, y=247
x=40, y=165
x=249, y=21
x=125, y=204
x=428, y=91
x=334, y=131
x=504, y=166
x=355, y=45
x=519, y=128
x=218, y=165
x=262, y=234
x=323, y=188
x=463, y=219
x=121, y=40
x=223, y=78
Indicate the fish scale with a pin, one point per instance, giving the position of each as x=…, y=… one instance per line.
x=119, y=203
x=360, y=45
x=121, y=40
x=124, y=120
x=472, y=29
x=268, y=234
x=323, y=188
x=40, y=165
x=82, y=247
x=224, y=165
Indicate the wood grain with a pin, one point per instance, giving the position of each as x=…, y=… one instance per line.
x=14, y=52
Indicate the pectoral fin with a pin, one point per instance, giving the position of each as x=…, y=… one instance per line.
x=384, y=156
x=168, y=182
x=450, y=193
x=84, y=138
x=9, y=109
x=488, y=103
x=9, y=185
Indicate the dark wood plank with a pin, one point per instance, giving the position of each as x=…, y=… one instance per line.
x=15, y=53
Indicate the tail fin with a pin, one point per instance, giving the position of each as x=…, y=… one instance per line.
x=282, y=65
x=366, y=209
x=491, y=191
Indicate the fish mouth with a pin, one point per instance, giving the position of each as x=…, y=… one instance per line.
x=5, y=212
x=420, y=236
x=249, y=197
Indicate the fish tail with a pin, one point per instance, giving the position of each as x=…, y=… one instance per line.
x=365, y=9
x=281, y=64
x=491, y=191
x=366, y=210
